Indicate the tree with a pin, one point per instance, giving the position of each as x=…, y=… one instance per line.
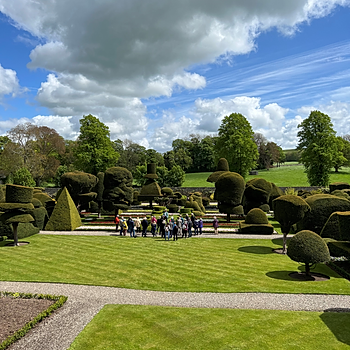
x=152, y=156
x=183, y=159
x=235, y=143
x=318, y=146
x=169, y=159
x=94, y=151
x=343, y=157
x=23, y=177
x=175, y=177
x=131, y=154
x=202, y=154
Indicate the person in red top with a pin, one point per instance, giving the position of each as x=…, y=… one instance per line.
x=116, y=221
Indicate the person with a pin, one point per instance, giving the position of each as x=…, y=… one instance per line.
x=131, y=227
x=175, y=230
x=162, y=227
x=184, y=229
x=138, y=225
x=159, y=221
x=166, y=215
x=153, y=226
x=195, y=227
x=121, y=224
x=125, y=227
x=144, y=224
x=193, y=218
x=200, y=225
x=189, y=228
x=167, y=231
x=179, y=225
x=116, y=221
x=215, y=225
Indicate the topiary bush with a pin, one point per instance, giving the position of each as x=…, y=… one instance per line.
x=23, y=177
x=173, y=208
x=322, y=206
x=221, y=168
x=338, y=186
x=337, y=226
x=19, y=194
x=309, y=248
x=256, y=222
x=341, y=194
x=206, y=201
x=256, y=193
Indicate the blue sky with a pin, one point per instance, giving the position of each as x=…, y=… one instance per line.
x=175, y=70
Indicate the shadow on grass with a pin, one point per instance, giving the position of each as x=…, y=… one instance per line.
x=279, y=241
x=254, y=249
x=338, y=322
x=281, y=275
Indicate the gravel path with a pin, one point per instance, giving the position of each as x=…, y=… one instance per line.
x=84, y=302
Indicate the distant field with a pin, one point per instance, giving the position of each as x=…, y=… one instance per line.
x=284, y=176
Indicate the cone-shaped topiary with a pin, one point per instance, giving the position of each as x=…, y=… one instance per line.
x=256, y=222
x=65, y=216
x=289, y=209
x=221, y=168
x=309, y=248
x=229, y=189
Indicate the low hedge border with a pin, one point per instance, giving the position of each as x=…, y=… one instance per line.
x=339, y=270
x=60, y=300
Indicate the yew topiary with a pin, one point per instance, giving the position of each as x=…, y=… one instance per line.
x=256, y=222
x=322, y=206
x=257, y=192
x=221, y=168
x=309, y=248
x=19, y=194
x=338, y=186
x=337, y=226
x=288, y=210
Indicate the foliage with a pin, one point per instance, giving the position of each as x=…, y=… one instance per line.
x=175, y=177
x=256, y=222
x=94, y=151
x=318, y=146
x=23, y=177
x=337, y=226
x=343, y=156
x=202, y=153
x=131, y=154
x=65, y=216
x=235, y=143
x=309, y=248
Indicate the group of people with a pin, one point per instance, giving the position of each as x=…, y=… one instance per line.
x=167, y=227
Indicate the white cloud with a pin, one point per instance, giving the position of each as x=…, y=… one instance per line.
x=106, y=56
x=8, y=82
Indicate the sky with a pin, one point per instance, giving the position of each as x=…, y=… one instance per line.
x=158, y=70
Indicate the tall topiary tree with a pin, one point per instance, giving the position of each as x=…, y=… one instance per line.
x=150, y=189
x=118, y=191
x=318, y=146
x=257, y=194
x=288, y=210
x=309, y=248
x=221, y=168
x=235, y=143
x=229, y=189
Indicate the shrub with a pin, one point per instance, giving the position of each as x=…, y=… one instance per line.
x=221, y=168
x=19, y=194
x=256, y=222
x=206, y=201
x=338, y=186
x=65, y=216
x=290, y=191
x=173, y=208
x=256, y=216
x=322, y=206
x=339, y=249
x=23, y=177
x=309, y=248
x=337, y=226
x=340, y=194
x=167, y=191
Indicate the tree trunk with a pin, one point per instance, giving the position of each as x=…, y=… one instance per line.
x=15, y=235
x=228, y=217
x=285, y=243
x=307, y=269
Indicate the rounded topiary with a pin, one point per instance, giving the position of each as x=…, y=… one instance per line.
x=19, y=194
x=229, y=188
x=338, y=186
x=178, y=195
x=206, y=201
x=185, y=211
x=340, y=194
x=258, y=190
x=309, y=248
x=36, y=202
x=256, y=216
x=221, y=168
x=167, y=191
x=173, y=208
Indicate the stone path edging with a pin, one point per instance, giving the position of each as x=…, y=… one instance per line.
x=84, y=302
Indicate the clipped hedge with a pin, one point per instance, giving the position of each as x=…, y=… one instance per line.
x=221, y=168
x=23, y=230
x=19, y=194
x=337, y=226
x=256, y=222
x=59, y=301
x=339, y=248
x=338, y=186
x=322, y=206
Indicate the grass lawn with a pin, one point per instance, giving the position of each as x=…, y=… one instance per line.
x=284, y=176
x=197, y=264
x=153, y=327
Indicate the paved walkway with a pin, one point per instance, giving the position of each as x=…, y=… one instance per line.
x=84, y=302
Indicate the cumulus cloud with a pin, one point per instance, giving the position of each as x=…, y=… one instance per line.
x=8, y=82
x=106, y=56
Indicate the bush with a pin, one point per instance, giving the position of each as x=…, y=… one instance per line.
x=309, y=248
x=23, y=177
x=19, y=194
x=221, y=168
x=339, y=249
x=256, y=216
x=173, y=208
x=322, y=206
x=256, y=222
x=338, y=186
x=337, y=226
x=206, y=201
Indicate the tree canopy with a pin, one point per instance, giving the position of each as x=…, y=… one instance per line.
x=94, y=151
x=235, y=143
x=319, y=147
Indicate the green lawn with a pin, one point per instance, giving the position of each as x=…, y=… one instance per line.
x=197, y=264
x=284, y=176
x=153, y=327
